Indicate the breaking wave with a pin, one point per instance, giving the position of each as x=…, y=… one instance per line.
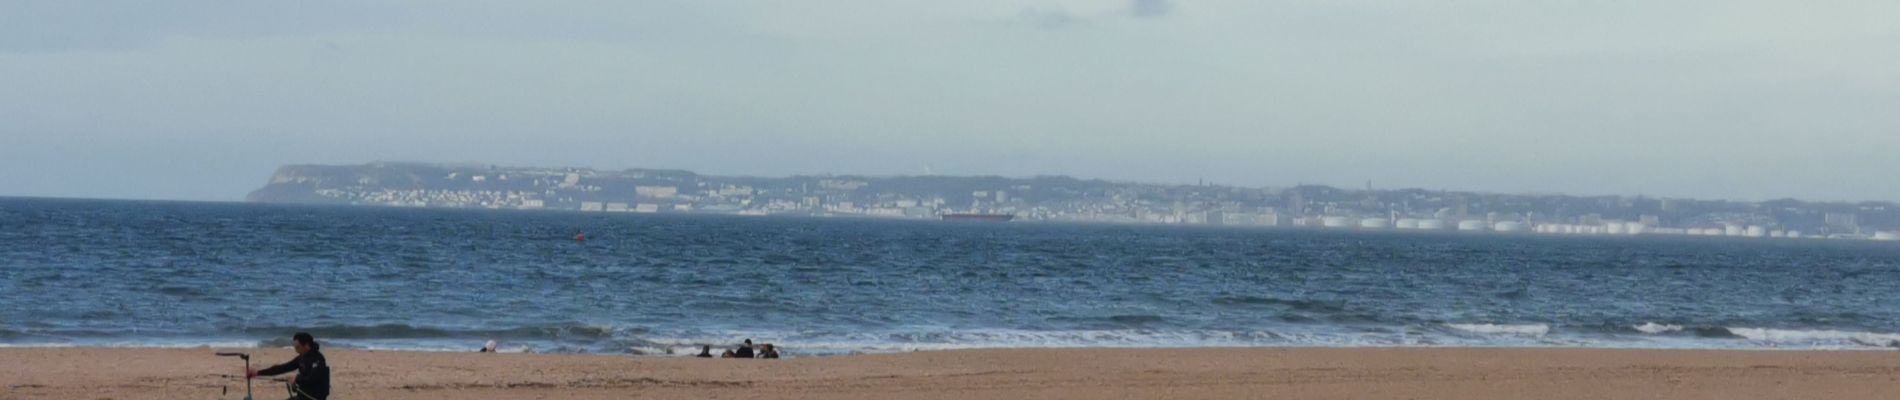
x=1819, y=337
x=1651, y=327
x=1524, y=329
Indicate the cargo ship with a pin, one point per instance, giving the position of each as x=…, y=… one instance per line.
x=979, y=217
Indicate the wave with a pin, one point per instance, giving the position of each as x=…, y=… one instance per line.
x=1524, y=329
x=139, y=343
x=1822, y=337
x=1300, y=305
x=405, y=331
x=1137, y=320
x=579, y=338
x=1651, y=327
x=1713, y=333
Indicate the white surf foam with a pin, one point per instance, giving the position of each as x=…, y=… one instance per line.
x=1496, y=329
x=1793, y=336
x=1651, y=327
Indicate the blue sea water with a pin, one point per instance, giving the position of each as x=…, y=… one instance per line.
x=125, y=273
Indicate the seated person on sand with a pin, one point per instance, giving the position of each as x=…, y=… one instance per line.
x=705, y=352
x=744, y=351
x=490, y=347
x=728, y=354
x=767, y=351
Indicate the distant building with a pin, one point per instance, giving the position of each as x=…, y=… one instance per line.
x=592, y=206
x=1509, y=226
x=839, y=184
x=1471, y=225
x=1842, y=222
x=735, y=191
x=656, y=192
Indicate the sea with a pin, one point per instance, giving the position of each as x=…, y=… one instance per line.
x=187, y=274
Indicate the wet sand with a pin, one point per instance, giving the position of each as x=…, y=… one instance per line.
x=1254, y=373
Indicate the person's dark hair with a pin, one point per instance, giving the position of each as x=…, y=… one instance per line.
x=306, y=339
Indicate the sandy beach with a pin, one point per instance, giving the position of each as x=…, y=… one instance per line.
x=1260, y=373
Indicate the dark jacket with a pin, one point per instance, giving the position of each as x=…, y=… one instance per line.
x=313, y=374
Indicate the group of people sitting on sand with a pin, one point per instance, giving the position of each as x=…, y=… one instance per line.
x=744, y=351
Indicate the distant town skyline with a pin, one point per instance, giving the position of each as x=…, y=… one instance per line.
x=929, y=171
x=198, y=99
x=1064, y=199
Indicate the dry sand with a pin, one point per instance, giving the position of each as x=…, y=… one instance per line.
x=89, y=373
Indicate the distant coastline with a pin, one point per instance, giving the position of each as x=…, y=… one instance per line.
x=1066, y=199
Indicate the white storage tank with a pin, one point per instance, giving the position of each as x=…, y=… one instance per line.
x=1408, y=223
x=1615, y=228
x=1794, y=234
x=1509, y=226
x=1333, y=222
x=1432, y=224
x=1373, y=223
x=1471, y=225
x=1886, y=235
x=1734, y=230
x=1757, y=231
x=1635, y=228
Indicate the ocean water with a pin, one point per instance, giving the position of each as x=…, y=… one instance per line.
x=123, y=273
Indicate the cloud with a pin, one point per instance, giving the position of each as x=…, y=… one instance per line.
x=1150, y=8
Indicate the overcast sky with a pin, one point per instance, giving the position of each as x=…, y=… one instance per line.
x=1738, y=99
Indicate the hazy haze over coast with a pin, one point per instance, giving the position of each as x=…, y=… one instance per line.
x=201, y=100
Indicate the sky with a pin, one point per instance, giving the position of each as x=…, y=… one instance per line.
x=201, y=100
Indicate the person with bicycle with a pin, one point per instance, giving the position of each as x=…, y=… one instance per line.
x=313, y=372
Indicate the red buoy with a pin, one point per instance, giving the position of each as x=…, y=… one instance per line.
x=580, y=237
